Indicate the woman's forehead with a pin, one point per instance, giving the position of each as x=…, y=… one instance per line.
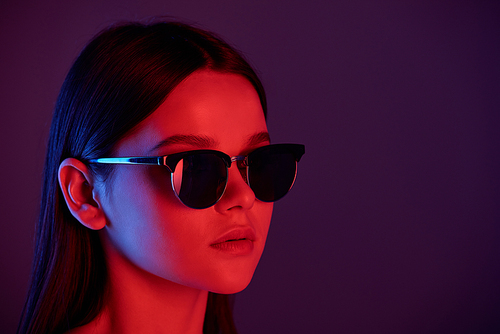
x=223, y=108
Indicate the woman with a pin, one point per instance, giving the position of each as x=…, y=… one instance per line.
x=158, y=188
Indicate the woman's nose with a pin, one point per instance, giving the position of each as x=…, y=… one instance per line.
x=238, y=194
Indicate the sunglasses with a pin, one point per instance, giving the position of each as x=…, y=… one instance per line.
x=199, y=177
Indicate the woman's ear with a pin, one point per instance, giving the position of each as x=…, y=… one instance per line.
x=79, y=194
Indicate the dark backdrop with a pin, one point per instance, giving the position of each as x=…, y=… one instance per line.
x=393, y=224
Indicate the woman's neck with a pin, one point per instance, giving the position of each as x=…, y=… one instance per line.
x=140, y=302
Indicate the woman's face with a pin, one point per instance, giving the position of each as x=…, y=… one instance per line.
x=150, y=227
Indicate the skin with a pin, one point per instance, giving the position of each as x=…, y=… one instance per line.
x=159, y=252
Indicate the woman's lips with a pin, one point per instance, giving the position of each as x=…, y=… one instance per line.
x=238, y=241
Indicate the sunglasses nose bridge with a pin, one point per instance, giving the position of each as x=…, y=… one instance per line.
x=237, y=191
x=242, y=158
x=241, y=163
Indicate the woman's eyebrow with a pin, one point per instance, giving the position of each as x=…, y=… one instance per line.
x=261, y=137
x=204, y=141
x=193, y=140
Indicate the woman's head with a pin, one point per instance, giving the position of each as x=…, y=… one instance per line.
x=116, y=90
x=140, y=89
x=125, y=73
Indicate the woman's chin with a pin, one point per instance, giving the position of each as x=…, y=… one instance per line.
x=229, y=290
x=228, y=287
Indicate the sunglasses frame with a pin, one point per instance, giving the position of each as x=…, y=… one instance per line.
x=170, y=161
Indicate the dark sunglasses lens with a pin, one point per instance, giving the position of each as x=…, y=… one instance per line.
x=199, y=180
x=271, y=172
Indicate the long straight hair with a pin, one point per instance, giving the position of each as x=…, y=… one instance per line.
x=122, y=76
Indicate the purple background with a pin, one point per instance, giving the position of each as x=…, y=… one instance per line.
x=393, y=225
